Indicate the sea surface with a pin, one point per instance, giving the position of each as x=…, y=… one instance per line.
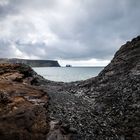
x=68, y=74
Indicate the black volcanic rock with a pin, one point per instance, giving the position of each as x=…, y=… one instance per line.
x=125, y=60
x=32, y=63
x=106, y=107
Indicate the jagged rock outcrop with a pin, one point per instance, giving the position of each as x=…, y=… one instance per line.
x=116, y=94
x=32, y=63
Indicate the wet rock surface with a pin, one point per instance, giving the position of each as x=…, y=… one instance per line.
x=106, y=107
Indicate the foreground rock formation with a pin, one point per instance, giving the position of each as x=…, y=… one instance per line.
x=106, y=107
x=23, y=107
x=22, y=114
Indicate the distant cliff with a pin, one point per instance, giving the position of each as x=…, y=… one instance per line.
x=32, y=63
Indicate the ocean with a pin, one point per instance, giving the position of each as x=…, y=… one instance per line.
x=68, y=74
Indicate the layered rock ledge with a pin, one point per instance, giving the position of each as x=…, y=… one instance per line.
x=106, y=107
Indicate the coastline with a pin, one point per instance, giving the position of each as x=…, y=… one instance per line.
x=68, y=74
x=103, y=107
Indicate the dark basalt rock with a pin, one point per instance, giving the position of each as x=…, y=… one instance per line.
x=125, y=60
x=105, y=107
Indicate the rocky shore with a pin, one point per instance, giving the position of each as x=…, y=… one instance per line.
x=24, y=107
x=106, y=107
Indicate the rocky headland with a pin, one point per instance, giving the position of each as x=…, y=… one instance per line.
x=106, y=107
x=32, y=63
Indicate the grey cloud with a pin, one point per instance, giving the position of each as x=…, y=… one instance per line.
x=74, y=30
x=6, y=49
x=6, y=10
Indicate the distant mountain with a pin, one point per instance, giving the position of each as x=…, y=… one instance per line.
x=32, y=63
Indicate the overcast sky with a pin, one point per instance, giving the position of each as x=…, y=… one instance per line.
x=77, y=32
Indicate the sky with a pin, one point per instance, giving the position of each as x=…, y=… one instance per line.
x=76, y=32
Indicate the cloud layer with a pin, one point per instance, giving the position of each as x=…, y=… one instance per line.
x=70, y=30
